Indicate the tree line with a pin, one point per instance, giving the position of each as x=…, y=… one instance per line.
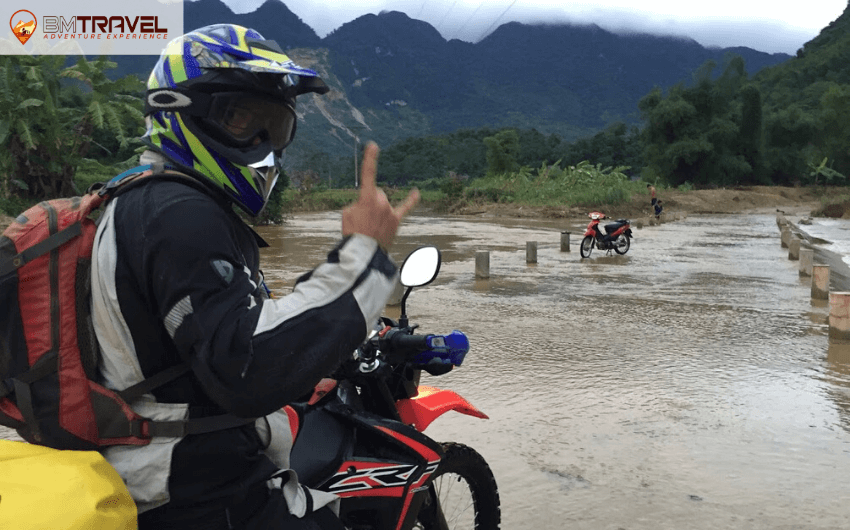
x=64, y=126
x=714, y=132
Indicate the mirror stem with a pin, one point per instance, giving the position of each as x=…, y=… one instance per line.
x=402, y=320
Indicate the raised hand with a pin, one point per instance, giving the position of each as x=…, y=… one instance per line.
x=372, y=214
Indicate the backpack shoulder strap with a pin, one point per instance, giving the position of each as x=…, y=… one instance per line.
x=42, y=247
x=139, y=175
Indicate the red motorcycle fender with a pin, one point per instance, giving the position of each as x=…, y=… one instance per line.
x=431, y=403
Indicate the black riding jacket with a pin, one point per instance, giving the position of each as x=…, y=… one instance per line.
x=176, y=279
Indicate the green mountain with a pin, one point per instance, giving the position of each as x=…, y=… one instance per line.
x=394, y=77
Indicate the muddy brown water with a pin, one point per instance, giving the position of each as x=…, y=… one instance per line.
x=689, y=384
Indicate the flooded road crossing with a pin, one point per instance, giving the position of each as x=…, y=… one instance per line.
x=687, y=384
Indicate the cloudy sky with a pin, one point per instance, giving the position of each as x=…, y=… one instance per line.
x=764, y=25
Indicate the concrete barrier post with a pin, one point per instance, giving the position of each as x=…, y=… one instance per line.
x=785, y=237
x=780, y=220
x=839, y=316
x=482, y=264
x=807, y=257
x=820, y=282
x=531, y=251
x=565, y=241
x=794, y=249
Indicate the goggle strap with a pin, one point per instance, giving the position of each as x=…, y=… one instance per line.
x=177, y=100
x=312, y=84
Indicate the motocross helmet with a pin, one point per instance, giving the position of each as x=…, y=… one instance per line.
x=220, y=104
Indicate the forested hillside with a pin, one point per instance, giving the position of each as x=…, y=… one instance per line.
x=406, y=80
x=788, y=124
x=524, y=99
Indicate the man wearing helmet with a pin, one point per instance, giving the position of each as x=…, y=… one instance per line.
x=178, y=298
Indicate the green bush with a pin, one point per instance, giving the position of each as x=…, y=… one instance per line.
x=552, y=185
x=273, y=213
x=14, y=206
x=452, y=187
x=90, y=171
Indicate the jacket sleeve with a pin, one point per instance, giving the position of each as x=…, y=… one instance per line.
x=254, y=356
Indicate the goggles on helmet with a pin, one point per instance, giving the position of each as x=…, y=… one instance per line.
x=238, y=119
x=246, y=119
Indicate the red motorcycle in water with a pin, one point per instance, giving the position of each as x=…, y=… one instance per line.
x=361, y=435
x=618, y=239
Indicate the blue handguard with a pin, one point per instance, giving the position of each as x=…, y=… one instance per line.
x=447, y=349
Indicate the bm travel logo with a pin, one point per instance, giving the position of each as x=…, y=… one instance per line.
x=98, y=27
x=25, y=25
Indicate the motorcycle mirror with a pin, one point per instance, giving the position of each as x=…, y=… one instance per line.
x=420, y=267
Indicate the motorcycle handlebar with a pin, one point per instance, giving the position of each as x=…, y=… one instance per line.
x=436, y=354
x=398, y=340
x=400, y=345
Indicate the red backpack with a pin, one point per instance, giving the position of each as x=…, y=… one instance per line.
x=48, y=350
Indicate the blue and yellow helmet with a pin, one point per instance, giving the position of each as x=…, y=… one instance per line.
x=220, y=104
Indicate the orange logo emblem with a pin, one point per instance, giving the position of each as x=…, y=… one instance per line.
x=23, y=24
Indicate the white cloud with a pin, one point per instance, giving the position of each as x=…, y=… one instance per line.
x=774, y=27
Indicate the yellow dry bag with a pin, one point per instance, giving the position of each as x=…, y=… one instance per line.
x=43, y=488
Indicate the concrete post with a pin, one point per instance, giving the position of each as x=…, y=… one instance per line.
x=780, y=220
x=531, y=251
x=785, y=237
x=565, y=241
x=482, y=264
x=639, y=223
x=820, y=282
x=794, y=249
x=839, y=316
x=807, y=257
x=838, y=354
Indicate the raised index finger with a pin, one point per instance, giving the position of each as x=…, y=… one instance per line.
x=369, y=168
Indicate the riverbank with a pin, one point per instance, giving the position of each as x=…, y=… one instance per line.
x=761, y=199
x=750, y=199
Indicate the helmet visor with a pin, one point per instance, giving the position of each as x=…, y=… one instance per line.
x=243, y=120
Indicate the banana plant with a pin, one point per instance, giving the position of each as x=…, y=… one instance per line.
x=43, y=135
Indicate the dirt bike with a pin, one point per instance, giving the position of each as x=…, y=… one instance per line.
x=619, y=232
x=362, y=433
